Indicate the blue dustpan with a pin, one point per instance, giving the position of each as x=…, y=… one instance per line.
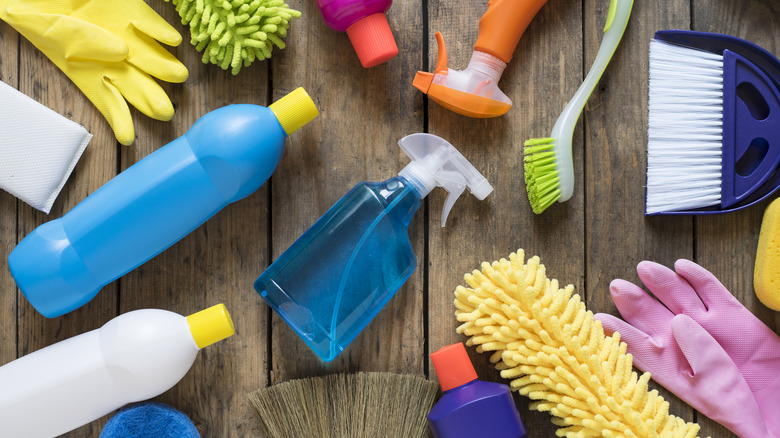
x=751, y=119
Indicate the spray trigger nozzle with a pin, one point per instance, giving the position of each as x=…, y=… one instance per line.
x=473, y=92
x=436, y=163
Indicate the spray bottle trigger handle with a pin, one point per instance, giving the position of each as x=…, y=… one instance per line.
x=449, y=202
x=423, y=79
x=441, y=60
x=455, y=185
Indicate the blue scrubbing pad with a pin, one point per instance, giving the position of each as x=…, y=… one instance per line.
x=149, y=420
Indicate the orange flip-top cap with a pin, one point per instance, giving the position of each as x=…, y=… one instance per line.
x=453, y=366
x=372, y=39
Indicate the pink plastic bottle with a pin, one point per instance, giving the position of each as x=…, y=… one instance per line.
x=366, y=24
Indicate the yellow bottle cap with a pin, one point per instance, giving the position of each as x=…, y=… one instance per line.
x=294, y=110
x=211, y=325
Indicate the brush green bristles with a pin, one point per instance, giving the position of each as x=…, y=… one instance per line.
x=549, y=167
x=541, y=173
x=235, y=33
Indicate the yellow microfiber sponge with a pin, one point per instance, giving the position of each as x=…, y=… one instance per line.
x=766, y=276
x=543, y=338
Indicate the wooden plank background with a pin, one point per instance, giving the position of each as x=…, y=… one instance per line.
x=599, y=235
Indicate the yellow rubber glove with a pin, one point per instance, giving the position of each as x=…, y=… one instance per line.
x=109, y=49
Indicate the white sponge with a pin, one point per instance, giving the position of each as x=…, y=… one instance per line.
x=38, y=148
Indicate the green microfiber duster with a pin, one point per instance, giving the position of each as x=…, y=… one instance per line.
x=235, y=33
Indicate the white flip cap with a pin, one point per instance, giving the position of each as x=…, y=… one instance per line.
x=436, y=163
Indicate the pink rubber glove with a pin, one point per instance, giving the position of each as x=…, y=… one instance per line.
x=665, y=339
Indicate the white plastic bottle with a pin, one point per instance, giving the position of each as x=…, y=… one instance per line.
x=135, y=356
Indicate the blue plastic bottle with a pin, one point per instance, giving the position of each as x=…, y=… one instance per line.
x=226, y=155
x=340, y=273
x=470, y=407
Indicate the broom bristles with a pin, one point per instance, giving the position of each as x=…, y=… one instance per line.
x=544, y=340
x=347, y=405
x=685, y=128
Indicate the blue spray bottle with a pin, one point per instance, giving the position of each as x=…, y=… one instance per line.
x=225, y=156
x=340, y=273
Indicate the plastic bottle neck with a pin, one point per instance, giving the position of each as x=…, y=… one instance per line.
x=419, y=178
x=401, y=198
x=487, y=64
x=463, y=386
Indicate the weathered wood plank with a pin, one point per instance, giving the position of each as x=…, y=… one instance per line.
x=599, y=235
x=726, y=244
x=618, y=234
x=363, y=113
x=40, y=79
x=9, y=61
x=544, y=73
x=216, y=263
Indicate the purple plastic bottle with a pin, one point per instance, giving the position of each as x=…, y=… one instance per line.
x=470, y=407
x=366, y=24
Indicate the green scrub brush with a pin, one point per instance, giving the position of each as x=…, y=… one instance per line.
x=549, y=171
x=235, y=33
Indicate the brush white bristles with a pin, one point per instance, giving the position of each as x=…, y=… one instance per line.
x=685, y=128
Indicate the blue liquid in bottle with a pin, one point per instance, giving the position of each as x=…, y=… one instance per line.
x=340, y=273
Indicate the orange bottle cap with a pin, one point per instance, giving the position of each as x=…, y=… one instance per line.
x=453, y=366
x=372, y=39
